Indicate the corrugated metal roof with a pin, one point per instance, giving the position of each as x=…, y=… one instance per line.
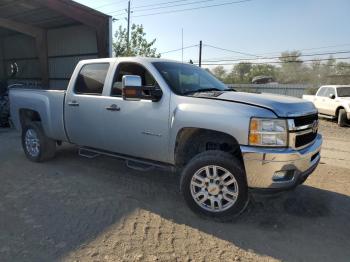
x=36, y=13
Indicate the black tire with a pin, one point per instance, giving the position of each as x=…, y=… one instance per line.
x=226, y=161
x=342, y=118
x=47, y=146
x=4, y=111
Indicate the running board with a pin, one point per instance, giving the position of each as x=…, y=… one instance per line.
x=138, y=166
x=87, y=153
x=327, y=116
x=133, y=163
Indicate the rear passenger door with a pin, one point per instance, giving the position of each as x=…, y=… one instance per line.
x=85, y=106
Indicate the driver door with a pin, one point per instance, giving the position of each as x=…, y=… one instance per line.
x=139, y=128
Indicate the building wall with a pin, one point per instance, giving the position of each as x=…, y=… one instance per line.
x=66, y=47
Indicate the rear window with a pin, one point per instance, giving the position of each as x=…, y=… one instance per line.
x=344, y=91
x=91, y=79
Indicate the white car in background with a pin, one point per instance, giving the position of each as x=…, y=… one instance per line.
x=332, y=101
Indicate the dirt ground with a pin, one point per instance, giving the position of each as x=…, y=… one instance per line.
x=76, y=209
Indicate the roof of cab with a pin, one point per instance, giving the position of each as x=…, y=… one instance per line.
x=127, y=59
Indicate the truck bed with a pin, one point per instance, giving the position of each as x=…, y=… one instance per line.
x=48, y=103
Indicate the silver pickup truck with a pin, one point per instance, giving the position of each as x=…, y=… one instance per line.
x=155, y=112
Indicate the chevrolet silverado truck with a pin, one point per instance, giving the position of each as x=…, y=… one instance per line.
x=167, y=114
x=333, y=102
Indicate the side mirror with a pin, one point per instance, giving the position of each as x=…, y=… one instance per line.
x=332, y=96
x=132, y=87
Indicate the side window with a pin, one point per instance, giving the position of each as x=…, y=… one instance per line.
x=329, y=91
x=131, y=69
x=91, y=79
x=332, y=91
x=322, y=91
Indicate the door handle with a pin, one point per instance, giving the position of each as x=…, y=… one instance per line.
x=73, y=103
x=113, y=107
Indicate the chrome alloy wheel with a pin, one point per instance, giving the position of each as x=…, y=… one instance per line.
x=32, y=143
x=214, y=188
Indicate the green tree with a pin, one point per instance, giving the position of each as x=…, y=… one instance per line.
x=138, y=46
x=262, y=70
x=219, y=72
x=239, y=74
x=292, y=69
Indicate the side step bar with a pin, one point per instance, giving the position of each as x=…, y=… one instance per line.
x=133, y=163
x=327, y=116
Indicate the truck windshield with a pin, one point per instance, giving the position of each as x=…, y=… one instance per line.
x=343, y=91
x=185, y=79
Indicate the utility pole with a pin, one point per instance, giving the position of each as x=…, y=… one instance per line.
x=128, y=37
x=200, y=53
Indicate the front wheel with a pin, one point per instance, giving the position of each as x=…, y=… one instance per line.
x=342, y=118
x=214, y=185
x=36, y=145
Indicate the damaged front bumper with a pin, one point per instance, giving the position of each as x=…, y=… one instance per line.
x=279, y=169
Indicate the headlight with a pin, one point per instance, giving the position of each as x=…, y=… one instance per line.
x=268, y=132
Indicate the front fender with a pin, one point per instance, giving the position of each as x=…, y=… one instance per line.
x=226, y=117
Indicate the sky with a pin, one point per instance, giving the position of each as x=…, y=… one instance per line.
x=255, y=27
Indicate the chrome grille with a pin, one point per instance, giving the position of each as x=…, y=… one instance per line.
x=305, y=120
x=303, y=130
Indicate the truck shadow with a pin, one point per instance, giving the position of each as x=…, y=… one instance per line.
x=70, y=202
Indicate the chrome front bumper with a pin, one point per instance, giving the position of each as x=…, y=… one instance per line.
x=261, y=165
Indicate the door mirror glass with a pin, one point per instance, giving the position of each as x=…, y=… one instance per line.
x=132, y=87
x=332, y=96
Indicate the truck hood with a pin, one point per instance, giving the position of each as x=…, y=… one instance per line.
x=283, y=106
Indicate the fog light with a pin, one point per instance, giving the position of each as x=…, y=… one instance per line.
x=283, y=175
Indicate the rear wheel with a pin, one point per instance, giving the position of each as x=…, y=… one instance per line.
x=214, y=185
x=36, y=145
x=342, y=118
x=4, y=111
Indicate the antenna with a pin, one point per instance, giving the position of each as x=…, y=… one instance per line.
x=182, y=48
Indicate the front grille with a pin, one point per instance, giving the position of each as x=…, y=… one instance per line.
x=305, y=120
x=305, y=139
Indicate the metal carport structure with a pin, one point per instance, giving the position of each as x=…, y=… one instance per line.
x=46, y=38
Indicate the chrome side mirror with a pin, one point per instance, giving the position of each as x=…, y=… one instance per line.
x=132, y=87
x=332, y=96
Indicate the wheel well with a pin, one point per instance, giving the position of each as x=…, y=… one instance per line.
x=337, y=111
x=192, y=141
x=28, y=115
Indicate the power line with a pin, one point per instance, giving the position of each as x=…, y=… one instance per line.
x=280, y=62
x=179, y=49
x=308, y=49
x=196, y=8
x=155, y=4
x=277, y=57
x=170, y=6
x=231, y=51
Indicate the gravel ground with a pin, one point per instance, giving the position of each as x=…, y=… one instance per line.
x=76, y=209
